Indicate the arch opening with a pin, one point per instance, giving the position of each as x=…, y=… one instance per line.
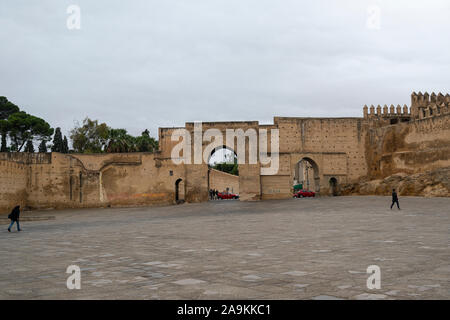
x=333, y=186
x=306, y=175
x=223, y=174
x=179, y=191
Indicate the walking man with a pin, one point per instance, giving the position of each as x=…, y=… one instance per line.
x=14, y=216
x=395, y=199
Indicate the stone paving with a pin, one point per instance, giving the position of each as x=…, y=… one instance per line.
x=316, y=248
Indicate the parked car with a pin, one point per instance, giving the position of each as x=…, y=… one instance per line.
x=304, y=193
x=223, y=196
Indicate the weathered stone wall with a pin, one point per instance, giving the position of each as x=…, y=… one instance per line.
x=13, y=185
x=336, y=147
x=77, y=180
x=15, y=177
x=367, y=155
x=418, y=146
x=222, y=181
x=414, y=151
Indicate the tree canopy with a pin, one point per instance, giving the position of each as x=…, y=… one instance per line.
x=90, y=137
x=43, y=146
x=95, y=137
x=7, y=108
x=228, y=164
x=21, y=127
x=58, y=144
x=23, y=130
x=24, y=127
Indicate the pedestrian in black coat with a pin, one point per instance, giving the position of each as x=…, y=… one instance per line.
x=395, y=199
x=14, y=216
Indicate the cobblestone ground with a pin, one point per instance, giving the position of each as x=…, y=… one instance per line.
x=293, y=249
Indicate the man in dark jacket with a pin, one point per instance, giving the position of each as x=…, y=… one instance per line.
x=395, y=199
x=14, y=216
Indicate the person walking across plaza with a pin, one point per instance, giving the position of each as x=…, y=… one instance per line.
x=395, y=199
x=14, y=216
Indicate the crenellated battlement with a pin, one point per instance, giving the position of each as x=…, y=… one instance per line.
x=426, y=105
x=423, y=100
x=385, y=111
x=422, y=106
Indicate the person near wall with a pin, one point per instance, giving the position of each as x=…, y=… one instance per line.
x=395, y=199
x=14, y=216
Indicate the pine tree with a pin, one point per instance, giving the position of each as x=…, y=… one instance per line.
x=3, y=147
x=29, y=146
x=58, y=144
x=65, y=145
x=43, y=147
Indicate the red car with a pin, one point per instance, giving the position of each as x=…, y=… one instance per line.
x=304, y=193
x=223, y=196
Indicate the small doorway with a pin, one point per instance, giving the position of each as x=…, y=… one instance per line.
x=333, y=187
x=179, y=191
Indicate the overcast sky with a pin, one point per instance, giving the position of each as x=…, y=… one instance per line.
x=148, y=64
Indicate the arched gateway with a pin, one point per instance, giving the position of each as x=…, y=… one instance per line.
x=308, y=151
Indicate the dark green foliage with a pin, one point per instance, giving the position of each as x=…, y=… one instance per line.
x=7, y=108
x=3, y=132
x=65, y=145
x=43, y=146
x=29, y=147
x=145, y=143
x=231, y=168
x=24, y=127
x=58, y=144
x=120, y=141
x=91, y=137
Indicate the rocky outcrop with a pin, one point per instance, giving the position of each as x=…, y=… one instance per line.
x=434, y=183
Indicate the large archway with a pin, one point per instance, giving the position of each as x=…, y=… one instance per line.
x=223, y=172
x=307, y=174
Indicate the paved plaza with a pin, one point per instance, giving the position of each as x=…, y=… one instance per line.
x=315, y=248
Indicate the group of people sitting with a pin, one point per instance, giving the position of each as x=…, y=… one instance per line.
x=213, y=194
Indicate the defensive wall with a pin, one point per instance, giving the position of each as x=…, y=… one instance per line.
x=385, y=141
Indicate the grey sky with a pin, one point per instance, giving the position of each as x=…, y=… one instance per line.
x=145, y=64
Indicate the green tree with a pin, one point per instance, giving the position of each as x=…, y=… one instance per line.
x=228, y=164
x=65, y=145
x=120, y=141
x=29, y=147
x=43, y=146
x=91, y=137
x=58, y=144
x=4, y=128
x=24, y=127
x=231, y=168
x=7, y=108
x=145, y=143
